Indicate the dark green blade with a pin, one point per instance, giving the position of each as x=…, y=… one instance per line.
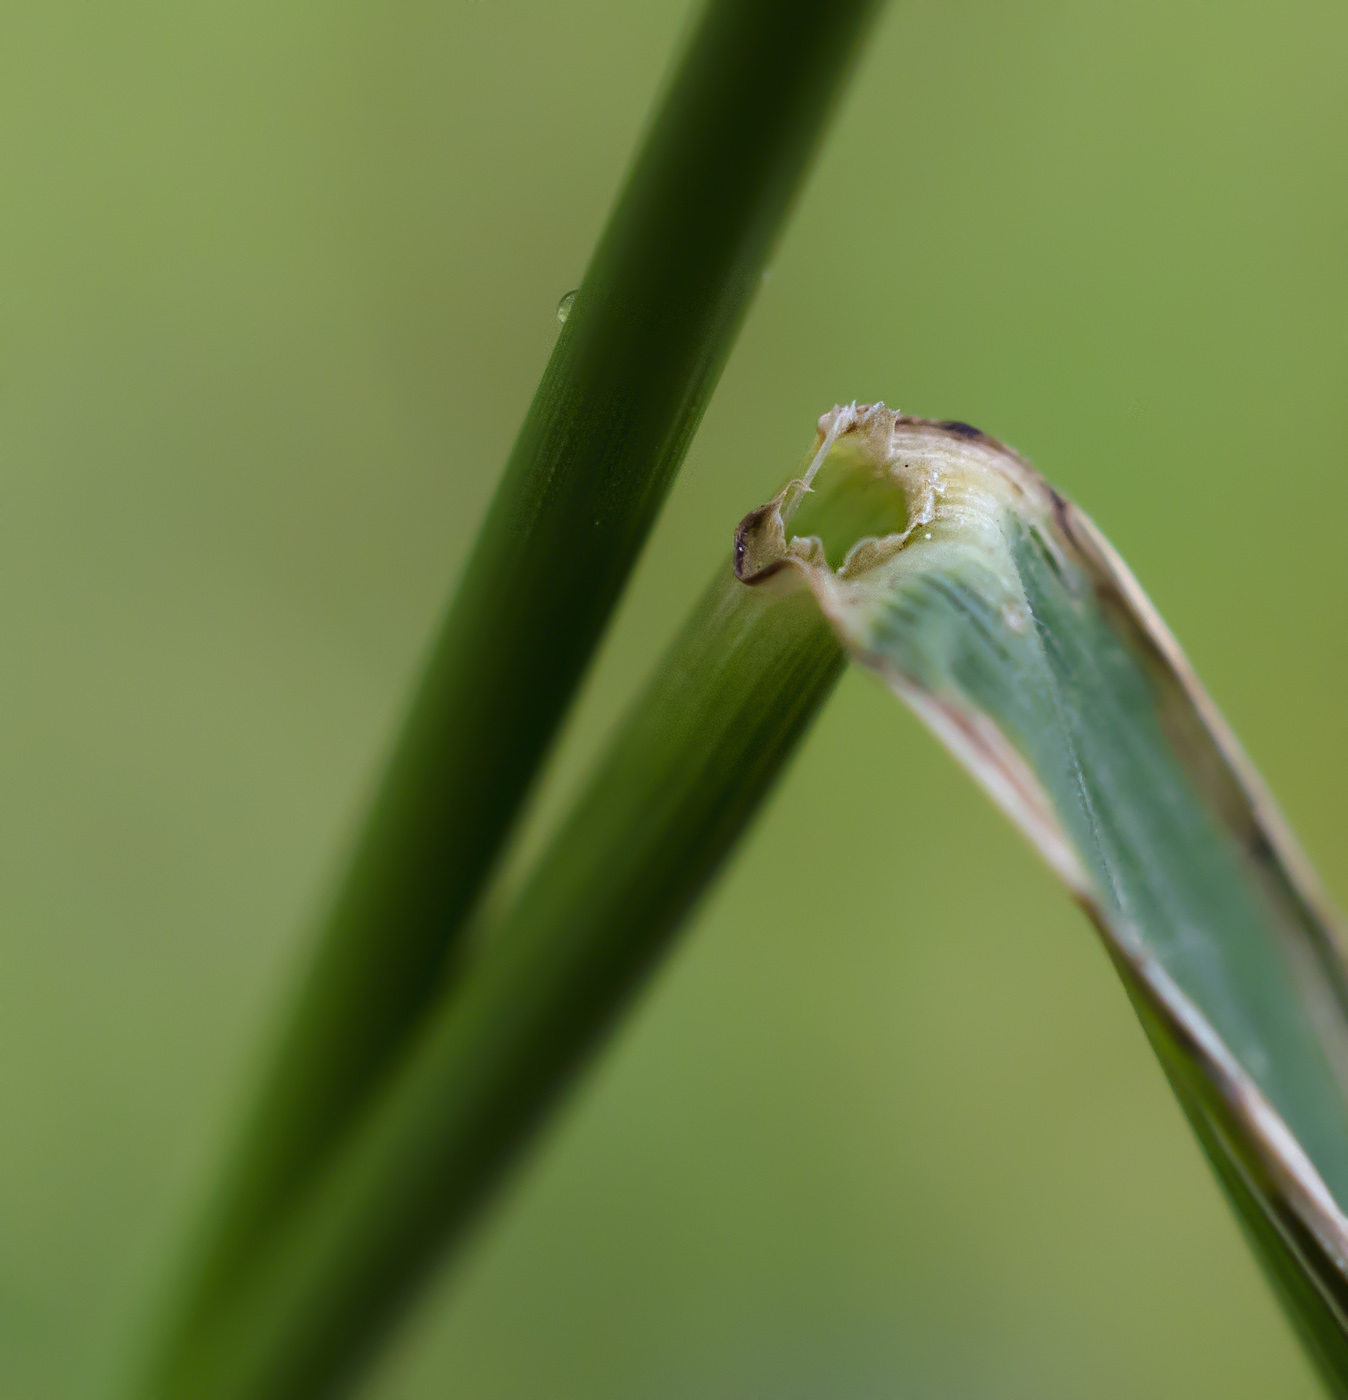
x=633, y=369
x=1003, y=617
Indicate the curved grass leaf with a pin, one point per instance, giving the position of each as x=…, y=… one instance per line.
x=1001, y=615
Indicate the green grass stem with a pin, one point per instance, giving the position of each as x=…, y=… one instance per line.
x=681, y=780
x=632, y=371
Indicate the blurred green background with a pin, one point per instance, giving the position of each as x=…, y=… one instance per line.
x=276, y=283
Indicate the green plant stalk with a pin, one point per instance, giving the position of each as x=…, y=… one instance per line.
x=631, y=374
x=681, y=780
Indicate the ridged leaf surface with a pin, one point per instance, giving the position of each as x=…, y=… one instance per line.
x=997, y=610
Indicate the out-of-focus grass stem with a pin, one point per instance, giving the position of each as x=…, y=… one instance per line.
x=634, y=366
x=680, y=782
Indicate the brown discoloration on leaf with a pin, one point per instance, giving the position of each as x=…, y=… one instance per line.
x=749, y=544
x=954, y=425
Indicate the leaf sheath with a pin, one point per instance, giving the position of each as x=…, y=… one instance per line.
x=682, y=779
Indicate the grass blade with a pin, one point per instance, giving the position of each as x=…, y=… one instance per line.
x=634, y=366
x=997, y=611
x=682, y=779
